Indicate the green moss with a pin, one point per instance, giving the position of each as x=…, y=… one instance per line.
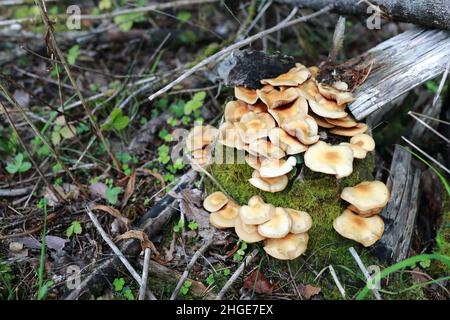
x=319, y=195
x=443, y=239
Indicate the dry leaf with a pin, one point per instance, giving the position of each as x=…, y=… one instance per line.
x=257, y=282
x=112, y=211
x=142, y=237
x=55, y=243
x=129, y=190
x=154, y=174
x=307, y=291
x=98, y=189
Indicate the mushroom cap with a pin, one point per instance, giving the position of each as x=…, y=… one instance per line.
x=364, y=141
x=268, y=184
x=286, y=142
x=366, y=231
x=215, y=201
x=247, y=232
x=301, y=220
x=325, y=158
x=265, y=149
x=350, y=132
x=225, y=217
x=258, y=107
x=278, y=226
x=326, y=108
x=341, y=97
x=314, y=71
x=308, y=90
x=253, y=126
x=346, y=122
x=253, y=161
x=200, y=136
x=201, y=158
x=321, y=122
x=294, y=110
x=366, y=213
x=276, y=98
x=229, y=136
x=358, y=152
x=340, y=85
x=271, y=168
x=293, y=77
x=247, y=95
x=367, y=195
x=256, y=212
x=287, y=248
x=306, y=129
x=234, y=110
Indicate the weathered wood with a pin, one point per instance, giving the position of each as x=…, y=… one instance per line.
x=427, y=13
x=400, y=64
x=400, y=213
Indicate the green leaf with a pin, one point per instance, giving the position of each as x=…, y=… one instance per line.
x=112, y=194
x=118, y=284
x=73, y=54
x=25, y=166
x=226, y=272
x=127, y=293
x=104, y=4
x=210, y=280
x=195, y=103
x=184, y=16
x=67, y=132
x=193, y=225
x=425, y=263
x=42, y=293
x=18, y=165
x=116, y=120
x=74, y=228
x=56, y=137
x=125, y=22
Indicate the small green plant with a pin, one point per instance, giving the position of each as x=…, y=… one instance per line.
x=210, y=280
x=62, y=130
x=184, y=16
x=226, y=272
x=185, y=288
x=180, y=225
x=239, y=254
x=116, y=121
x=125, y=22
x=112, y=194
x=121, y=290
x=163, y=154
x=165, y=135
x=6, y=281
x=73, y=54
x=195, y=103
x=18, y=165
x=104, y=4
x=193, y=225
x=74, y=228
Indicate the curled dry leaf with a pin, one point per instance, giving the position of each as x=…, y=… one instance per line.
x=114, y=212
x=142, y=237
x=129, y=190
x=307, y=291
x=257, y=282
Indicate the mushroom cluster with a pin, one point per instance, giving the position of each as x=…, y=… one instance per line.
x=360, y=221
x=283, y=230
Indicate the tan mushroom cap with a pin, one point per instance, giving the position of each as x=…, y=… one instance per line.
x=234, y=110
x=366, y=231
x=340, y=85
x=350, y=132
x=276, y=184
x=200, y=136
x=215, y=201
x=247, y=95
x=358, y=152
x=256, y=212
x=253, y=161
x=293, y=77
x=314, y=71
x=325, y=158
x=247, y=232
x=271, y=168
x=305, y=130
x=301, y=220
x=308, y=90
x=225, y=217
x=287, y=248
x=321, y=122
x=258, y=107
x=286, y=142
x=364, y=141
x=254, y=126
x=200, y=159
x=295, y=110
x=278, y=226
x=276, y=98
x=229, y=136
x=346, y=122
x=267, y=88
x=367, y=196
x=341, y=97
x=326, y=108
x=265, y=149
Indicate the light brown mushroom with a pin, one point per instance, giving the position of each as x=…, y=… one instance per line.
x=254, y=126
x=314, y=71
x=276, y=184
x=294, y=110
x=244, y=94
x=225, y=217
x=358, y=152
x=234, y=110
x=253, y=161
x=306, y=129
x=367, y=198
x=215, y=201
x=229, y=136
x=340, y=85
x=200, y=136
x=288, y=248
x=350, y=132
x=326, y=108
x=293, y=77
x=321, y=122
x=364, y=141
x=366, y=231
x=256, y=212
x=271, y=168
x=276, y=98
x=258, y=107
x=247, y=232
x=308, y=89
x=346, y=122
x=325, y=158
x=265, y=149
x=301, y=220
x=341, y=97
x=278, y=226
x=286, y=142
x=200, y=159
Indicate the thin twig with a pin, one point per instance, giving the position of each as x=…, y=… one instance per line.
x=363, y=269
x=336, y=280
x=284, y=24
x=236, y=274
x=440, y=135
x=143, y=288
x=190, y=265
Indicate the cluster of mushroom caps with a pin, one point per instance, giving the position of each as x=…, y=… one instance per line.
x=283, y=230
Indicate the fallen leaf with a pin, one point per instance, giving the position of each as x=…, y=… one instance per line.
x=419, y=276
x=141, y=236
x=114, y=212
x=55, y=243
x=98, y=189
x=29, y=242
x=129, y=190
x=22, y=97
x=15, y=246
x=257, y=282
x=191, y=207
x=307, y=291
